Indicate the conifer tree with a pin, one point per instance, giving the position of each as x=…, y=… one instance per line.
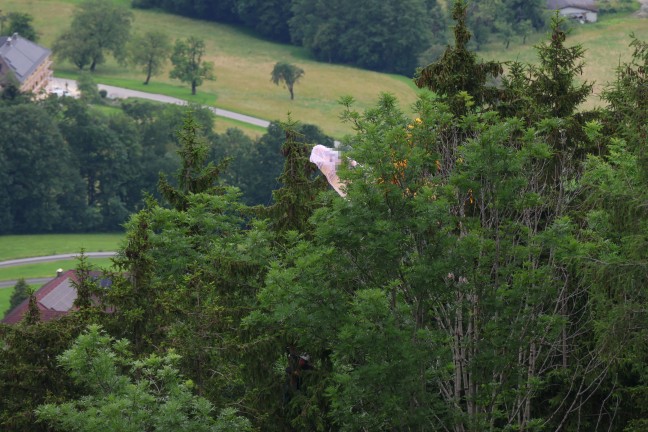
x=85, y=284
x=627, y=97
x=32, y=316
x=457, y=75
x=295, y=201
x=554, y=85
x=19, y=294
x=194, y=176
x=132, y=295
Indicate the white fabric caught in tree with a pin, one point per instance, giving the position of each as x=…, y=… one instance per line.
x=328, y=160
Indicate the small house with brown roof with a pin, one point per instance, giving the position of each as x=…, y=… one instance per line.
x=54, y=299
x=583, y=11
x=27, y=62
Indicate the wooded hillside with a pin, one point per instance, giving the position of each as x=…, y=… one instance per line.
x=486, y=270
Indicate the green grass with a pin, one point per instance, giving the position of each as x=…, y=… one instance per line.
x=5, y=295
x=25, y=246
x=48, y=269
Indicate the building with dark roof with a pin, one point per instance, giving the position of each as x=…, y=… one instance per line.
x=579, y=10
x=27, y=62
x=54, y=299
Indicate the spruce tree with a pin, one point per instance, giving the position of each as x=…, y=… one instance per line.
x=194, y=176
x=132, y=296
x=554, y=85
x=457, y=75
x=20, y=293
x=32, y=316
x=295, y=201
x=85, y=284
x=627, y=97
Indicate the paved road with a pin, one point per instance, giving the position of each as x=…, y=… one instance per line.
x=51, y=258
x=41, y=259
x=122, y=93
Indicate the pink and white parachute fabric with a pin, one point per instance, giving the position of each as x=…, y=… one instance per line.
x=328, y=160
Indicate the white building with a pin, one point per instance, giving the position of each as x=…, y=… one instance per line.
x=583, y=11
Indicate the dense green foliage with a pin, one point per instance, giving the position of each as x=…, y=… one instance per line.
x=157, y=398
x=80, y=170
x=384, y=36
x=485, y=271
x=391, y=36
x=29, y=372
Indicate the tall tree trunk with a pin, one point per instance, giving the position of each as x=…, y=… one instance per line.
x=193, y=87
x=149, y=69
x=292, y=94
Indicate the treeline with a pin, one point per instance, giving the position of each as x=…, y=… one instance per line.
x=65, y=166
x=389, y=36
x=486, y=270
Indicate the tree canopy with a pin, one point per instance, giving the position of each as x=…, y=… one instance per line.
x=98, y=27
x=288, y=74
x=150, y=51
x=188, y=63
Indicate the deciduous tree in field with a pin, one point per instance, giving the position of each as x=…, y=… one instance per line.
x=188, y=63
x=288, y=74
x=97, y=27
x=150, y=51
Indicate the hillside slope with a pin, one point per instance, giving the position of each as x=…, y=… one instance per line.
x=243, y=64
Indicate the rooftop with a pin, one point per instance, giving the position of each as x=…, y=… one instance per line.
x=21, y=55
x=53, y=299
x=589, y=5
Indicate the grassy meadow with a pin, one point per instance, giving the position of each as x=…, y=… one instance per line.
x=26, y=246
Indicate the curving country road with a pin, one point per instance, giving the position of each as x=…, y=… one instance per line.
x=41, y=259
x=50, y=258
x=122, y=93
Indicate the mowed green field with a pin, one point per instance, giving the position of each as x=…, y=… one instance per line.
x=243, y=64
x=26, y=246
